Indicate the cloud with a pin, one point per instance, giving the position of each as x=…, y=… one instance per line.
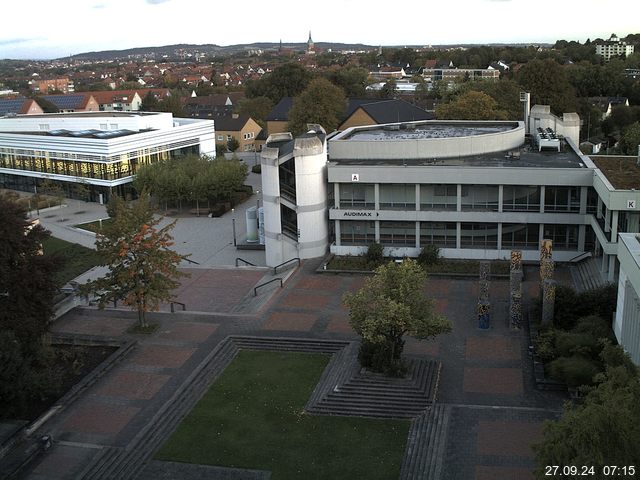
x=99, y=6
x=15, y=41
x=156, y=2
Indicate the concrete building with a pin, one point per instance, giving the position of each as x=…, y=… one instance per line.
x=626, y=324
x=613, y=48
x=98, y=149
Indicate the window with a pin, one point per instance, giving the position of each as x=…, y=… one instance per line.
x=562, y=199
x=229, y=137
x=357, y=232
x=520, y=236
x=438, y=197
x=564, y=237
x=517, y=198
x=398, y=196
x=480, y=197
x=357, y=195
x=398, y=234
x=221, y=138
x=479, y=235
x=441, y=235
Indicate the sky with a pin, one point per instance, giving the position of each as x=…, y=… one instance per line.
x=43, y=29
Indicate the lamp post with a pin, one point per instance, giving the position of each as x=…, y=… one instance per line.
x=257, y=200
x=233, y=225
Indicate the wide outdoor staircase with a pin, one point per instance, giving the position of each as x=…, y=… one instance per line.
x=358, y=392
x=586, y=274
x=426, y=445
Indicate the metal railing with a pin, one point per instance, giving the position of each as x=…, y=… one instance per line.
x=579, y=257
x=190, y=261
x=275, y=269
x=184, y=307
x=255, y=290
x=238, y=259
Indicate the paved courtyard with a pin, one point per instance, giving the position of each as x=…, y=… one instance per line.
x=486, y=376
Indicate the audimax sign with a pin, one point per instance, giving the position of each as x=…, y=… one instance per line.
x=359, y=214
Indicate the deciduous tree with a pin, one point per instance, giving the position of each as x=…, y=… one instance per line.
x=322, y=103
x=143, y=270
x=389, y=305
x=471, y=106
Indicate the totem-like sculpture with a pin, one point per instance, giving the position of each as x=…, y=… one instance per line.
x=484, y=306
x=547, y=284
x=515, y=290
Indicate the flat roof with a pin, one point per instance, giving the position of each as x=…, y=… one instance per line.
x=415, y=131
x=622, y=172
x=89, y=114
x=525, y=157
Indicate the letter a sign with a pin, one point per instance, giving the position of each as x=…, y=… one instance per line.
x=355, y=177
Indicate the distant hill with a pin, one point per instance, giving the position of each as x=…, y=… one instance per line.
x=209, y=49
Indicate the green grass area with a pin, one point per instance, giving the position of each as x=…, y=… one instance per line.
x=74, y=259
x=253, y=417
x=470, y=267
x=94, y=226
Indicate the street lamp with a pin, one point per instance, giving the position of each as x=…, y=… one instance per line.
x=257, y=200
x=233, y=225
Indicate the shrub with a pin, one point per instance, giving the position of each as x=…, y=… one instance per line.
x=570, y=306
x=574, y=371
x=256, y=168
x=429, y=255
x=376, y=357
x=569, y=343
x=595, y=326
x=374, y=254
x=545, y=345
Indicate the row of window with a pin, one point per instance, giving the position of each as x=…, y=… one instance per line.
x=472, y=235
x=473, y=197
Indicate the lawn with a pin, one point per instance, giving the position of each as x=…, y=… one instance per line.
x=74, y=259
x=252, y=417
x=95, y=226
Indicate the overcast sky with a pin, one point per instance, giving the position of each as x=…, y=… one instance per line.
x=45, y=29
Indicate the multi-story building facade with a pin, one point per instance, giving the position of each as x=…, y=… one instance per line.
x=613, y=48
x=100, y=150
x=63, y=85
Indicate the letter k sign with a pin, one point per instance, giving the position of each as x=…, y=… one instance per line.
x=355, y=177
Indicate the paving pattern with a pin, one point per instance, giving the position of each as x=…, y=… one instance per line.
x=486, y=414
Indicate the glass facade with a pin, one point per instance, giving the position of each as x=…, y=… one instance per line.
x=398, y=234
x=564, y=237
x=518, y=198
x=357, y=233
x=562, y=199
x=438, y=197
x=480, y=197
x=523, y=236
x=87, y=166
x=398, y=196
x=440, y=234
x=357, y=195
x=479, y=235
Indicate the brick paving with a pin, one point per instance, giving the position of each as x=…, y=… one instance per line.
x=485, y=380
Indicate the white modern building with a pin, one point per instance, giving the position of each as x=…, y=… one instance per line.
x=613, y=48
x=101, y=150
x=626, y=324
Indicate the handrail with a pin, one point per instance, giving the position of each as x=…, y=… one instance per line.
x=583, y=254
x=184, y=307
x=243, y=260
x=190, y=261
x=275, y=269
x=255, y=290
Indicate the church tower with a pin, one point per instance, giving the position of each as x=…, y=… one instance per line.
x=310, y=45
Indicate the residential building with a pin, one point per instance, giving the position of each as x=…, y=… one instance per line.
x=20, y=105
x=447, y=74
x=613, y=48
x=117, y=100
x=607, y=104
x=98, y=149
x=212, y=106
x=62, y=84
x=367, y=111
x=241, y=127
x=76, y=102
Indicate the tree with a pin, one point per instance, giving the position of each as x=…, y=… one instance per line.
x=149, y=103
x=353, y=80
x=322, y=103
x=143, y=270
x=388, y=306
x=548, y=83
x=27, y=289
x=471, y=106
x=389, y=89
x=257, y=108
x=604, y=428
x=233, y=144
x=288, y=80
x=630, y=141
